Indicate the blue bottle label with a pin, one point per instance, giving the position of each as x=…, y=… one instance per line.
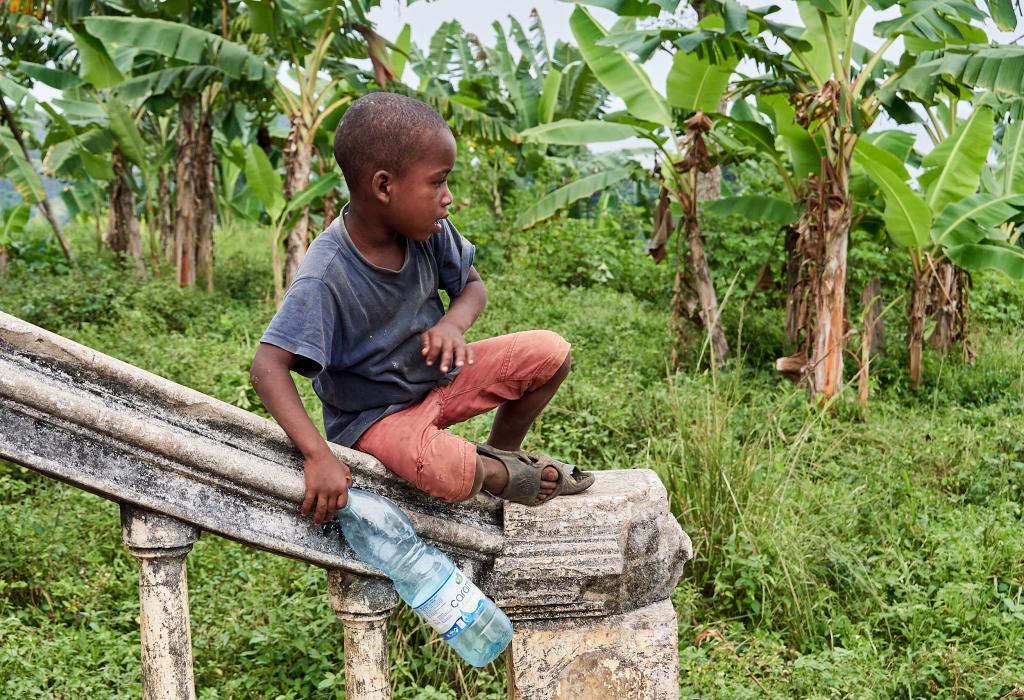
x=457, y=603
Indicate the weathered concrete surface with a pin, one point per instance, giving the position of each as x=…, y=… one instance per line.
x=613, y=548
x=160, y=544
x=634, y=655
x=363, y=605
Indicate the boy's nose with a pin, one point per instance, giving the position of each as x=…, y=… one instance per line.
x=446, y=196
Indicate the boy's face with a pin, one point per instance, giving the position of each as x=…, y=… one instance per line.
x=419, y=199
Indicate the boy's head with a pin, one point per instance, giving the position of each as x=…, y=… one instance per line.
x=395, y=153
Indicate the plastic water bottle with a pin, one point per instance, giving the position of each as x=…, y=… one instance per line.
x=426, y=579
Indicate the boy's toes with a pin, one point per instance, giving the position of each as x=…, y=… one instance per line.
x=548, y=482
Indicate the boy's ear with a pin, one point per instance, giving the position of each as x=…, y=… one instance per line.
x=381, y=186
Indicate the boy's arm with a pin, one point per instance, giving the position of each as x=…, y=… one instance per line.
x=445, y=342
x=327, y=477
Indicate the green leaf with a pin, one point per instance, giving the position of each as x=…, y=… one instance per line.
x=549, y=96
x=617, y=72
x=907, y=217
x=317, y=188
x=628, y=8
x=970, y=220
x=1012, y=156
x=19, y=171
x=755, y=207
x=399, y=59
x=182, y=42
x=957, y=161
x=57, y=79
x=266, y=183
x=804, y=152
x=126, y=132
x=14, y=221
x=95, y=64
x=261, y=16
x=989, y=256
x=883, y=158
x=898, y=143
x=1001, y=12
x=553, y=202
x=696, y=84
x=929, y=20
x=572, y=132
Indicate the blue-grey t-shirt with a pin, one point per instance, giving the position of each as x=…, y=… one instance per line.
x=356, y=327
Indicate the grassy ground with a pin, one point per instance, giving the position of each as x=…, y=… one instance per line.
x=836, y=556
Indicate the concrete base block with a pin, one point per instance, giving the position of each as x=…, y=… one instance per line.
x=633, y=655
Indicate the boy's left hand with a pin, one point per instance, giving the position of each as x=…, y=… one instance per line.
x=444, y=343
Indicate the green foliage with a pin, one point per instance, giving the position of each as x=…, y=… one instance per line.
x=833, y=556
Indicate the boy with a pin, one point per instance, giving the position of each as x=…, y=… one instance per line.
x=390, y=365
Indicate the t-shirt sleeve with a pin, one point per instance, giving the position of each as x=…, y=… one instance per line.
x=454, y=256
x=306, y=325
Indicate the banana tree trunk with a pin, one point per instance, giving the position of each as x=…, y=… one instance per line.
x=186, y=211
x=797, y=269
x=874, y=323
x=950, y=306
x=916, y=313
x=165, y=215
x=298, y=156
x=205, y=199
x=829, y=341
x=122, y=223
x=705, y=291
x=4, y=257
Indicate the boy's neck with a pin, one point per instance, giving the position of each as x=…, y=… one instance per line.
x=367, y=230
x=377, y=241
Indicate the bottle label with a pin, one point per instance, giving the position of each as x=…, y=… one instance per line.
x=454, y=607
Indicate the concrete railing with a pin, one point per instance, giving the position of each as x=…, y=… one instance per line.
x=585, y=579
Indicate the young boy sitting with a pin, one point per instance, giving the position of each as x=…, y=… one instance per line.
x=363, y=319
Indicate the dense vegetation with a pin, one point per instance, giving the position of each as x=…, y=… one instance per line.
x=846, y=547
x=836, y=557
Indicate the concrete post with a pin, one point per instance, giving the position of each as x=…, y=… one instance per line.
x=634, y=655
x=160, y=544
x=363, y=605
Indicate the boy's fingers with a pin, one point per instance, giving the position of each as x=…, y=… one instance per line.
x=342, y=500
x=470, y=355
x=460, y=355
x=434, y=351
x=321, y=510
x=307, y=502
x=446, y=355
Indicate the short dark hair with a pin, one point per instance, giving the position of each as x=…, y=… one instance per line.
x=382, y=131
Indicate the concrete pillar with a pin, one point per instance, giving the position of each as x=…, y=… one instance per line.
x=160, y=544
x=363, y=605
x=633, y=655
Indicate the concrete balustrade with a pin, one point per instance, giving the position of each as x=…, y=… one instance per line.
x=585, y=579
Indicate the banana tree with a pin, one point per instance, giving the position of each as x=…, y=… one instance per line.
x=16, y=162
x=315, y=41
x=283, y=210
x=951, y=216
x=675, y=122
x=836, y=89
x=170, y=60
x=489, y=95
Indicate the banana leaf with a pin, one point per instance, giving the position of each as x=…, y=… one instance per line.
x=956, y=162
x=969, y=220
x=572, y=132
x=907, y=217
x=990, y=256
x=553, y=202
x=780, y=212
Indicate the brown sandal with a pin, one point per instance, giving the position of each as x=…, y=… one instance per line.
x=524, y=470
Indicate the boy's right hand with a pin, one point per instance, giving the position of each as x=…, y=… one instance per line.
x=327, y=482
